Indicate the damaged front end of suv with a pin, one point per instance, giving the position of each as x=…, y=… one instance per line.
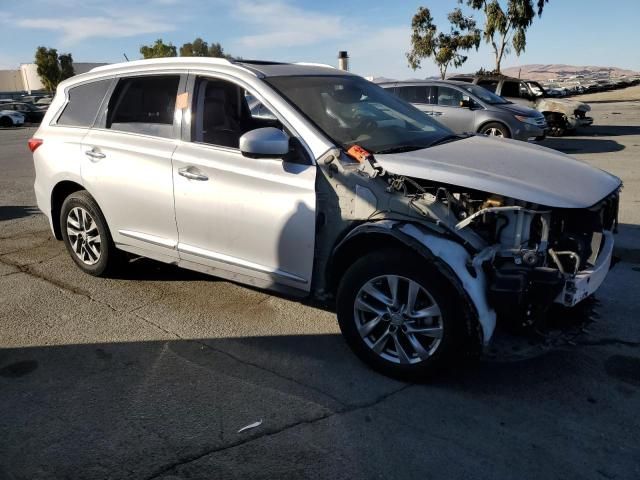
x=426, y=239
x=516, y=237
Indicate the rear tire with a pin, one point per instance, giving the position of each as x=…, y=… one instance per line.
x=400, y=315
x=495, y=129
x=87, y=237
x=5, y=122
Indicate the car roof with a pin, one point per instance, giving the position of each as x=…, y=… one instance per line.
x=411, y=83
x=259, y=68
x=493, y=77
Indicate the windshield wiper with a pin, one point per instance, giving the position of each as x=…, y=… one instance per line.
x=449, y=138
x=401, y=149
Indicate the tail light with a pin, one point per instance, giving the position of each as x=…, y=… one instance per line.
x=34, y=143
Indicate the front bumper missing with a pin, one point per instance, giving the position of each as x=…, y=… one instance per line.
x=586, y=282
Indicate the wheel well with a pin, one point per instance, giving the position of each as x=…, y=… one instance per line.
x=355, y=248
x=499, y=123
x=559, y=115
x=60, y=192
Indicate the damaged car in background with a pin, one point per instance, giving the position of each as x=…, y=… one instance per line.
x=425, y=241
x=561, y=114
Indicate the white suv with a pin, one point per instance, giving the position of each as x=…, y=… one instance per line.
x=333, y=188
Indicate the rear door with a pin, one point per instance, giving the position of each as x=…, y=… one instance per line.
x=127, y=161
x=252, y=220
x=420, y=96
x=448, y=111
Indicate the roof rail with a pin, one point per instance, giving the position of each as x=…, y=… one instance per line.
x=311, y=64
x=163, y=61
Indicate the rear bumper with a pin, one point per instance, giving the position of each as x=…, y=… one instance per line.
x=586, y=282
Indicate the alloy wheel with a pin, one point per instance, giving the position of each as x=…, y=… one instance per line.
x=84, y=236
x=398, y=319
x=493, y=132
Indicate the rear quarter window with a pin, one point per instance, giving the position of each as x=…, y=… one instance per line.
x=83, y=104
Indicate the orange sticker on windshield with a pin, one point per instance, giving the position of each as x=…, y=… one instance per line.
x=182, y=101
x=358, y=153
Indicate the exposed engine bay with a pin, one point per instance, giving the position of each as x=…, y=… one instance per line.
x=530, y=256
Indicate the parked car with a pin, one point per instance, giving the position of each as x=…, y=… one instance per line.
x=10, y=118
x=419, y=237
x=44, y=101
x=468, y=108
x=31, y=113
x=561, y=114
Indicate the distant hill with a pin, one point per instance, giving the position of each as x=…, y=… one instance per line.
x=556, y=71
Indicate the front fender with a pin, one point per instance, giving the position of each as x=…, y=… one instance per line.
x=449, y=256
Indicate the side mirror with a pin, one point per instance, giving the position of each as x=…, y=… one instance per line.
x=267, y=142
x=466, y=103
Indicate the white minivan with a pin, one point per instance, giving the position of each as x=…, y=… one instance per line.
x=422, y=239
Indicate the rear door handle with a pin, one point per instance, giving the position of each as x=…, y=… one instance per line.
x=94, y=154
x=187, y=172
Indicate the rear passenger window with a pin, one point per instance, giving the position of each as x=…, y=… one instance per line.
x=490, y=85
x=83, y=104
x=415, y=94
x=144, y=105
x=510, y=89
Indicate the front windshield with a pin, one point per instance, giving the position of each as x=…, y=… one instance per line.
x=485, y=95
x=352, y=111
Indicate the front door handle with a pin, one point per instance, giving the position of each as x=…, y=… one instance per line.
x=187, y=172
x=94, y=154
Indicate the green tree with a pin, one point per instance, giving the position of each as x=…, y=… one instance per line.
x=506, y=23
x=216, y=50
x=197, y=48
x=66, y=66
x=445, y=48
x=158, y=50
x=51, y=68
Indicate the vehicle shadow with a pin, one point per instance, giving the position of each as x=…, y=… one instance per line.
x=129, y=398
x=582, y=145
x=608, y=131
x=13, y=212
x=146, y=269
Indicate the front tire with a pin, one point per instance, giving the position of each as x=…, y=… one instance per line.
x=495, y=129
x=86, y=235
x=399, y=314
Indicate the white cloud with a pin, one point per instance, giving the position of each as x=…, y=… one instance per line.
x=76, y=29
x=279, y=24
x=382, y=52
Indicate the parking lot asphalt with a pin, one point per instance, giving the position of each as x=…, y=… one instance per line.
x=151, y=375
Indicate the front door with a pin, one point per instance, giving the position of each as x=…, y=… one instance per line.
x=254, y=218
x=448, y=111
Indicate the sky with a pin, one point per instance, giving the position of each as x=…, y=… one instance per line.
x=376, y=33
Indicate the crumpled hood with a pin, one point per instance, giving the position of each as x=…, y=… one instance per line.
x=509, y=168
x=561, y=105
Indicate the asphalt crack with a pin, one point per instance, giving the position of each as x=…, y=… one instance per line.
x=269, y=433
x=243, y=361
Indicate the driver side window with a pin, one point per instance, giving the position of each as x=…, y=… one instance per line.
x=222, y=112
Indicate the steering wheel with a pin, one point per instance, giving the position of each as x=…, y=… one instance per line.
x=366, y=124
